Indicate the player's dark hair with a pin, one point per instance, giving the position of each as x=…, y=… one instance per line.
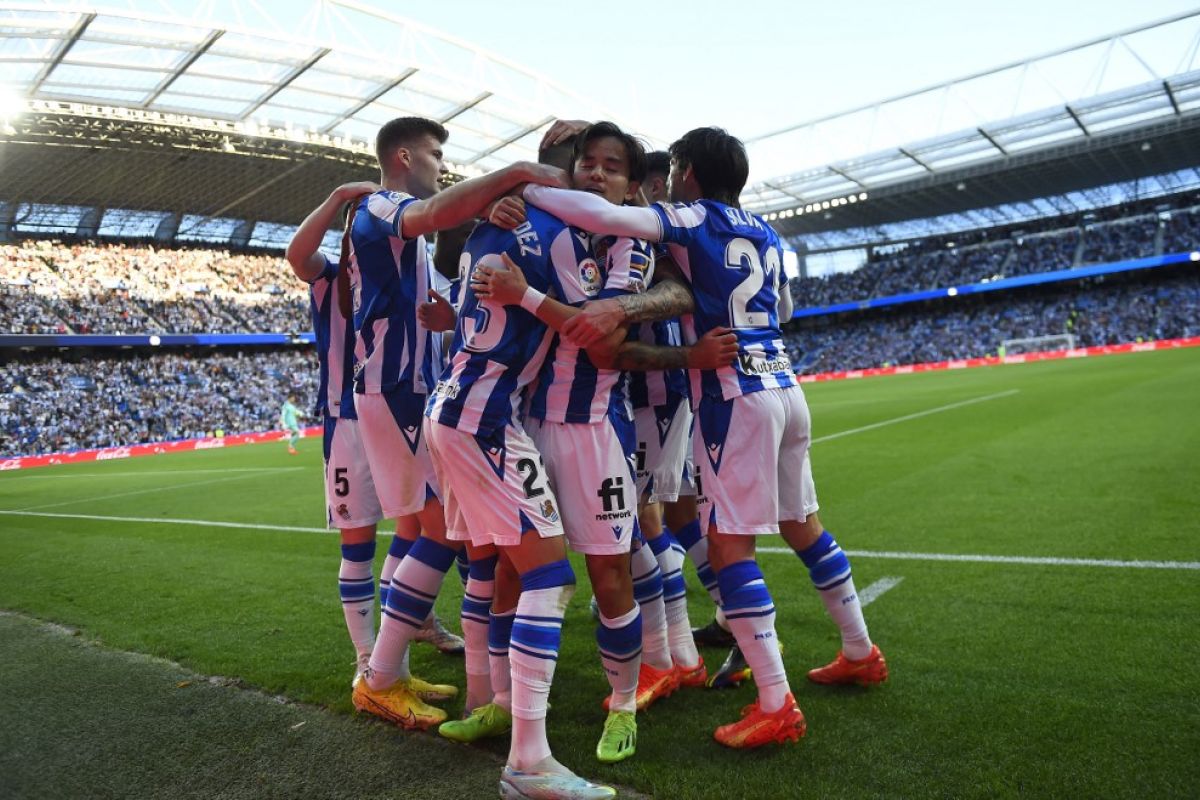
x=658, y=163
x=404, y=131
x=718, y=161
x=345, y=304
x=448, y=247
x=558, y=155
x=635, y=152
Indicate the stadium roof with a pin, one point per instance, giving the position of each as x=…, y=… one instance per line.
x=1072, y=104
x=333, y=68
x=215, y=115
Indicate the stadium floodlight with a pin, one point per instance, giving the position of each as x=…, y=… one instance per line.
x=1195, y=256
x=12, y=104
x=952, y=291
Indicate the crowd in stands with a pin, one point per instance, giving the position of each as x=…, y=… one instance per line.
x=1109, y=312
x=56, y=288
x=991, y=254
x=53, y=404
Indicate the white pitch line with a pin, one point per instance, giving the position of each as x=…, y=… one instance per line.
x=204, y=523
x=147, y=473
x=172, y=487
x=983, y=559
x=1058, y=562
x=918, y=415
x=873, y=591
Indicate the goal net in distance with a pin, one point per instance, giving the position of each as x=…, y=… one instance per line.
x=1036, y=344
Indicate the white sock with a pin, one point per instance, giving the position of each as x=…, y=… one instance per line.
x=477, y=600
x=648, y=591
x=356, y=586
x=620, y=641
x=751, y=615
x=536, y=636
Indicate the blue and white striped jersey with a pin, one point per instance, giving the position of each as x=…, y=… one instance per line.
x=499, y=349
x=655, y=388
x=335, y=346
x=570, y=387
x=734, y=263
x=648, y=389
x=391, y=276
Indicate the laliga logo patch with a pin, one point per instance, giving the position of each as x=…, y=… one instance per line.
x=589, y=276
x=549, y=511
x=343, y=512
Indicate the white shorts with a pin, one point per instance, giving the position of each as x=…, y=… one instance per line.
x=751, y=452
x=494, y=487
x=663, y=438
x=591, y=469
x=390, y=427
x=350, y=500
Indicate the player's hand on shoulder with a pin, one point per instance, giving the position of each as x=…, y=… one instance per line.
x=349, y=191
x=561, y=130
x=508, y=212
x=437, y=315
x=542, y=174
x=717, y=348
x=502, y=285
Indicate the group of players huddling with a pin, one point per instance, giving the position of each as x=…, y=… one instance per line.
x=568, y=411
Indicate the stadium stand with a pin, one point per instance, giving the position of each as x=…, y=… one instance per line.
x=54, y=287
x=81, y=400
x=1097, y=311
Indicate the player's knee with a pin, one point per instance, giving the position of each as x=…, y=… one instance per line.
x=611, y=581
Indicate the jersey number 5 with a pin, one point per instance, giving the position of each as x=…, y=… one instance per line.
x=483, y=329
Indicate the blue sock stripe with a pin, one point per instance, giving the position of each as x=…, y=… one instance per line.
x=620, y=643
x=649, y=588
x=404, y=604
x=364, y=551
x=766, y=612
x=476, y=609
x=548, y=576
x=479, y=598
x=620, y=659
x=412, y=591
x=815, y=551
x=707, y=576
x=662, y=544
x=537, y=637
x=689, y=534
x=433, y=554
x=743, y=588
x=356, y=591
x=500, y=631
x=835, y=583
x=399, y=547
x=547, y=656
x=674, y=586
x=830, y=570
x=736, y=575
x=484, y=569
x=399, y=618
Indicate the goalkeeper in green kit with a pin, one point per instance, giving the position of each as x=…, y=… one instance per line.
x=289, y=420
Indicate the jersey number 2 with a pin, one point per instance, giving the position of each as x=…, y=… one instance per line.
x=739, y=254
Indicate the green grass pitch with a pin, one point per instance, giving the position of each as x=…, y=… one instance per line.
x=1048, y=677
